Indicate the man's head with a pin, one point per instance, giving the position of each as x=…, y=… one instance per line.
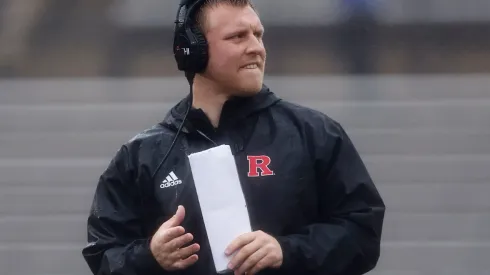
x=236, y=52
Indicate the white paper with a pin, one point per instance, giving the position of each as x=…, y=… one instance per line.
x=221, y=199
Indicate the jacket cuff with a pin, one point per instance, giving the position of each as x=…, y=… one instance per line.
x=147, y=261
x=288, y=260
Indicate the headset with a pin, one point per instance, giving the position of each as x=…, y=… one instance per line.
x=190, y=45
x=191, y=54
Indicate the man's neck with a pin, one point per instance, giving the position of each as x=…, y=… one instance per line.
x=208, y=98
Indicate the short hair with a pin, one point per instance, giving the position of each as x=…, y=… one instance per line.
x=199, y=15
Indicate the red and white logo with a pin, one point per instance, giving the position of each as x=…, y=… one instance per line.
x=259, y=162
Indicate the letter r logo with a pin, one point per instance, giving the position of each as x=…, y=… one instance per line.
x=259, y=162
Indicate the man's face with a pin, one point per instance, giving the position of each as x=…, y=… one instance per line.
x=236, y=51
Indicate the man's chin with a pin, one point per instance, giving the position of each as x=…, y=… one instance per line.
x=252, y=86
x=248, y=90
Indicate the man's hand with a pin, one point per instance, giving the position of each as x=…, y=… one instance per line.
x=166, y=244
x=256, y=251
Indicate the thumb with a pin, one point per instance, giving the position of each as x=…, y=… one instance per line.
x=176, y=219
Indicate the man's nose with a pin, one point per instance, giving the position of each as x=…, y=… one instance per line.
x=256, y=46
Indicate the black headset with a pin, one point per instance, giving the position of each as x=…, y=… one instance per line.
x=190, y=45
x=191, y=54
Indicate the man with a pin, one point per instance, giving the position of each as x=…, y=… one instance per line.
x=17, y=19
x=357, y=39
x=312, y=205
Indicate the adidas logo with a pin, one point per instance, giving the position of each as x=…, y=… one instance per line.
x=171, y=180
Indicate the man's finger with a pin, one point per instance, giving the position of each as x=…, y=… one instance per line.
x=178, y=242
x=185, y=263
x=251, y=261
x=240, y=241
x=243, y=254
x=172, y=233
x=263, y=263
x=176, y=219
x=185, y=252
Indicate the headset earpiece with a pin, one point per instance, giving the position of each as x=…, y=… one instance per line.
x=200, y=59
x=190, y=45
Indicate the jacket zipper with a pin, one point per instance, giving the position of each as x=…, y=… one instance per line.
x=206, y=137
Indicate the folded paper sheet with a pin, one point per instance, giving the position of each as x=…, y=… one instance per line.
x=221, y=199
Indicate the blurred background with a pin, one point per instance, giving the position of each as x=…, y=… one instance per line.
x=408, y=79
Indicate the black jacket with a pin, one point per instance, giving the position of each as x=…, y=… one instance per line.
x=320, y=203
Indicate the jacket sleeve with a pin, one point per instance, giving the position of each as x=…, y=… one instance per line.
x=117, y=243
x=346, y=239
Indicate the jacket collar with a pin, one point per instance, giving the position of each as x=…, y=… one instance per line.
x=234, y=110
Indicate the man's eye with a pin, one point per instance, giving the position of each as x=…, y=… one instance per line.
x=237, y=36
